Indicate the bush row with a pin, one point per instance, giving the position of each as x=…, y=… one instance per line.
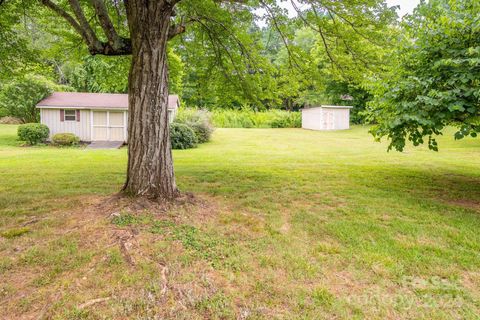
x=35, y=133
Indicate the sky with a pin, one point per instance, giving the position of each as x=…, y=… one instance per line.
x=406, y=6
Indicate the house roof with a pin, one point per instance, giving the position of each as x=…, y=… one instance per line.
x=83, y=100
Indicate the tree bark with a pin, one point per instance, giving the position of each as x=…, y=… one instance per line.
x=150, y=166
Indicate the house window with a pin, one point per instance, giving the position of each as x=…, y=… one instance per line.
x=70, y=115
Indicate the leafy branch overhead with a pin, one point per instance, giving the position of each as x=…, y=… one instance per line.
x=436, y=80
x=325, y=17
x=350, y=47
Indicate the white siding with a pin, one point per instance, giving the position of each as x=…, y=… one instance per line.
x=320, y=118
x=342, y=119
x=51, y=118
x=83, y=128
x=312, y=119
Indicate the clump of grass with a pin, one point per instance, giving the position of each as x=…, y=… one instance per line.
x=15, y=232
x=218, y=306
x=190, y=237
x=213, y=248
x=322, y=297
x=124, y=220
x=127, y=219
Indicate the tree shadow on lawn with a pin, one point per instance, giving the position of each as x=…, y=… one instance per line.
x=280, y=186
x=411, y=216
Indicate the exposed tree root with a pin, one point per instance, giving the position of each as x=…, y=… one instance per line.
x=92, y=302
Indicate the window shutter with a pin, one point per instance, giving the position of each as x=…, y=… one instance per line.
x=78, y=115
x=62, y=115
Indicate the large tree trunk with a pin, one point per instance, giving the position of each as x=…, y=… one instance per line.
x=150, y=167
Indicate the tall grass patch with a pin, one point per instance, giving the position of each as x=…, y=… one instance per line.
x=246, y=118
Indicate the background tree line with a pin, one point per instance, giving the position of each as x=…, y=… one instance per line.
x=277, y=66
x=416, y=76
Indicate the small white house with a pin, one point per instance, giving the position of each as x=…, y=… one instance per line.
x=91, y=116
x=326, y=118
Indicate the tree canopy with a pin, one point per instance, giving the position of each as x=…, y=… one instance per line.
x=222, y=58
x=436, y=82
x=422, y=75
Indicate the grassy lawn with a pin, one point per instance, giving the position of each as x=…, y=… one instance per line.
x=285, y=224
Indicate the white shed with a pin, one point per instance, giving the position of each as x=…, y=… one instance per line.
x=91, y=116
x=326, y=118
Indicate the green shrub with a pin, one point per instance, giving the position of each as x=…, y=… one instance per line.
x=203, y=131
x=199, y=120
x=224, y=118
x=65, y=139
x=182, y=136
x=33, y=133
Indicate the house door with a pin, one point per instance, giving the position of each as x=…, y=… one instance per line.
x=108, y=126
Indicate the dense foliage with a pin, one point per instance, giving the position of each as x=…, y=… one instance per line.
x=19, y=97
x=33, y=133
x=437, y=80
x=110, y=74
x=65, y=139
x=182, y=136
x=223, y=60
x=203, y=121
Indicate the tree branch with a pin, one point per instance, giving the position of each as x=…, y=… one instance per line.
x=351, y=24
x=92, y=39
x=102, y=13
x=71, y=20
x=120, y=46
x=176, y=29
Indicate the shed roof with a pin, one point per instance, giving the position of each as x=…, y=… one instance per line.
x=328, y=107
x=84, y=100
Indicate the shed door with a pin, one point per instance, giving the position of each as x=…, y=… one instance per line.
x=100, y=126
x=108, y=126
x=328, y=121
x=116, y=126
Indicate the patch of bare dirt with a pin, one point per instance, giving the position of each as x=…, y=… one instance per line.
x=10, y=120
x=471, y=281
x=92, y=285
x=465, y=203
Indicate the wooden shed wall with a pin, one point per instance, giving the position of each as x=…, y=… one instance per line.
x=312, y=119
x=51, y=118
x=342, y=119
x=326, y=118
